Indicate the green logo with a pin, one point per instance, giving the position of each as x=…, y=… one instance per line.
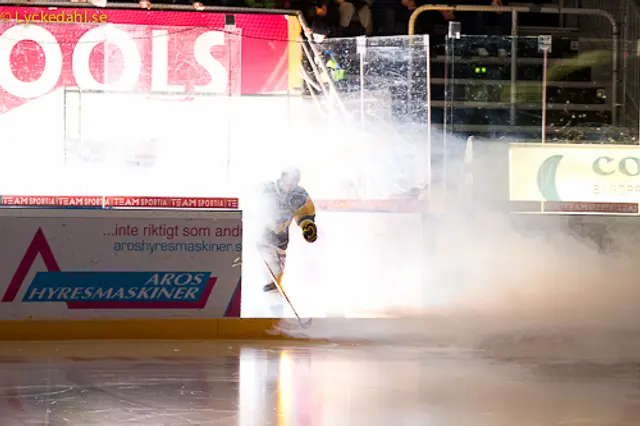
x=627, y=166
x=621, y=169
x=547, y=178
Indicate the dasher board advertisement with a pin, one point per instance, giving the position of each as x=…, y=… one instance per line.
x=576, y=178
x=88, y=264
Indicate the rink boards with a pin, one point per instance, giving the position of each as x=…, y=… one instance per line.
x=51, y=249
x=151, y=329
x=71, y=271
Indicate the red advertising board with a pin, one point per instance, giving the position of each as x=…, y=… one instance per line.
x=119, y=201
x=43, y=49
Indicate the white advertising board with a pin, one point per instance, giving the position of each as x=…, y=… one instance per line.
x=596, y=173
x=91, y=264
x=578, y=178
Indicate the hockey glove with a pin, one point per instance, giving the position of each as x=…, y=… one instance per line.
x=309, y=231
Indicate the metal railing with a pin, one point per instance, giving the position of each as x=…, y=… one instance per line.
x=515, y=11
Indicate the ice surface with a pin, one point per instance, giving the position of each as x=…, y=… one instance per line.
x=253, y=384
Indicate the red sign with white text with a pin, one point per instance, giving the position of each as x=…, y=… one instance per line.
x=43, y=49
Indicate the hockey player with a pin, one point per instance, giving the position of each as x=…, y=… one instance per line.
x=284, y=201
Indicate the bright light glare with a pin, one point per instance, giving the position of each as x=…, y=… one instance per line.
x=133, y=144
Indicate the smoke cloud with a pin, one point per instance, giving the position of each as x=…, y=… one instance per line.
x=473, y=275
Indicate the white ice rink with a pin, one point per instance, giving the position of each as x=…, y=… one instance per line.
x=256, y=384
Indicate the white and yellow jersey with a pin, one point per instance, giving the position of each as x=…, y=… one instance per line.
x=281, y=208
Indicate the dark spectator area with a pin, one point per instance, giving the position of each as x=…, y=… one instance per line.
x=350, y=18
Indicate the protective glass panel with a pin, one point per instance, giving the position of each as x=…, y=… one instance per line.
x=164, y=134
x=501, y=92
x=489, y=90
x=549, y=90
x=385, y=101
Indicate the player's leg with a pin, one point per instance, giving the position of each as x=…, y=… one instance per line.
x=274, y=258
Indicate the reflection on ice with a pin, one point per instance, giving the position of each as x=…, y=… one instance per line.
x=182, y=383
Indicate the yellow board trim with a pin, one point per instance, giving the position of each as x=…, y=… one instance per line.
x=295, y=54
x=156, y=329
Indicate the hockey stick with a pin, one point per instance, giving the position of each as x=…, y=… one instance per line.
x=303, y=323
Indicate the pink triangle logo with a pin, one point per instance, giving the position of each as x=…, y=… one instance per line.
x=39, y=245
